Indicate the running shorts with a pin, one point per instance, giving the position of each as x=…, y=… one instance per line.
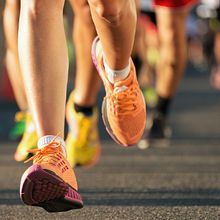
x=174, y=3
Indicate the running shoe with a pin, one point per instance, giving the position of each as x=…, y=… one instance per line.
x=157, y=133
x=123, y=108
x=50, y=182
x=28, y=141
x=83, y=146
x=18, y=129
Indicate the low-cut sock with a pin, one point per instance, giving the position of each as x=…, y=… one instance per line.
x=45, y=140
x=116, y=75
x=87, y=111
x=163, y=105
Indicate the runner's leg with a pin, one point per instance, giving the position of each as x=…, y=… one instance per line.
x=82, y=142
x=123, y=108
x=44, y=62
x=172, y=38
x=115, y=30
x=10, y=25
x=83, y=34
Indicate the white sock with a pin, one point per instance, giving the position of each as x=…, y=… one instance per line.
x=116, y=75
x=45, y=140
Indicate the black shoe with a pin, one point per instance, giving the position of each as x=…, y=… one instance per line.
x=157, y=132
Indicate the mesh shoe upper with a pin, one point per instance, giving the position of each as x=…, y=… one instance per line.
x=51, y=158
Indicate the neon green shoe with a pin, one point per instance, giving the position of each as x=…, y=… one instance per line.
x=28, y=141
x=82, y=143
x=150, y=96
x=18, y=129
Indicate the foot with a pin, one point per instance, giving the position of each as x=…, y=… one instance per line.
x=123, y=108
x=157, y=132
x=83, y=146
x=28, y=140
x=50, y=182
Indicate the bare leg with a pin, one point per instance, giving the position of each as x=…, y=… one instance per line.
x=215, y=76
x=44, y=62
x=140, y=51
x=172, y=39
x=115, y=30
x=217, y=48
x=83, y=34
x=10, y=24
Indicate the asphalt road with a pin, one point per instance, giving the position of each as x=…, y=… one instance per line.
x=178, y=182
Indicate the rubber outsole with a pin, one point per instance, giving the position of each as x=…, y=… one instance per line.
x=45, y=189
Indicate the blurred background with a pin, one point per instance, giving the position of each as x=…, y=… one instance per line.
x=200, y=78
x=157, y=183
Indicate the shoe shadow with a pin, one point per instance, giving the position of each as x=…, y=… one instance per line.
x=10, y=197
x=128, y=197
x=123, y=197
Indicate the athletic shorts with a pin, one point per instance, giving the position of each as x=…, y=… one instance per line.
x=174, y=3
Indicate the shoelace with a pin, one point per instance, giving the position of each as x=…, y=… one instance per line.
x=123, y=101
x=51, y=151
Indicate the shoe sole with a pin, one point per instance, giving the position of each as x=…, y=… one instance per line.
x=45, y=189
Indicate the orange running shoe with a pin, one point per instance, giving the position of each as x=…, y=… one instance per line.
x=123, y=108
x=50, y=182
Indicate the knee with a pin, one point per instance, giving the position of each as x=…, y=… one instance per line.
x=82, y=11
x=111, y=11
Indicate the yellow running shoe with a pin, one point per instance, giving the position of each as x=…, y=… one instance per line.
x=28, y=141
x=82, y=143
x=123, y=108
x=50, y=182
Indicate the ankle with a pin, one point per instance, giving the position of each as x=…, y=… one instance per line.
x=45, y=140
x=163, y=105
x=86, y=110
x=116, y=75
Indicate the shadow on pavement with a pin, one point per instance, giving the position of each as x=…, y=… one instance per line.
x=121, y=197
